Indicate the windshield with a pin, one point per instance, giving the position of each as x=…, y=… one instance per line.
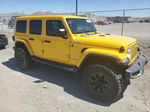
x=81, y=25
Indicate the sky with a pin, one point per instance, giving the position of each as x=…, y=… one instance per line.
x=66, y=6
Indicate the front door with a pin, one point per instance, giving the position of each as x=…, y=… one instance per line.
x=56, y=48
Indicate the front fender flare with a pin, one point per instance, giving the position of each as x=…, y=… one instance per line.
x=111, y=53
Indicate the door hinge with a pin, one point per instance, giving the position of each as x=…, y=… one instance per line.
x=42, y=50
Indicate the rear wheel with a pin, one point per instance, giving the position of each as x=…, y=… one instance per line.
x=101, y=82
x=22, y=58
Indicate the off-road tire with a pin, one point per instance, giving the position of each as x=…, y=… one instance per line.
x=23, y=59
x=108, y=83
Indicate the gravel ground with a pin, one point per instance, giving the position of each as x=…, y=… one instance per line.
x=46, y=89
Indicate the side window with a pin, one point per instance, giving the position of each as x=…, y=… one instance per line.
x=36, y=27
x=53, y=26
x=21, y=26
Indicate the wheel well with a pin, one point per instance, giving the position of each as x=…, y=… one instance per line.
x=20, y=45
x=103, y=59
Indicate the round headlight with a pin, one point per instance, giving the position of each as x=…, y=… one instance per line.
x=128, y=52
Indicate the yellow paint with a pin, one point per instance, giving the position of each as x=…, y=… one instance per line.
x=68, y=51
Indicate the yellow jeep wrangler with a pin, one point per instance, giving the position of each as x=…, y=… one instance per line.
x=106, y=61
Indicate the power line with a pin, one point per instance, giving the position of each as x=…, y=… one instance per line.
x=117, y=10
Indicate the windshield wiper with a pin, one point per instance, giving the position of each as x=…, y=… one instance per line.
x=79, y=32
x=86, y=32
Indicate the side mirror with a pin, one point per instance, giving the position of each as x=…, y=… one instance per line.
x=62, y=33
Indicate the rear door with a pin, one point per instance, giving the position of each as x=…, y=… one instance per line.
x=35, y=37
x=21, y=30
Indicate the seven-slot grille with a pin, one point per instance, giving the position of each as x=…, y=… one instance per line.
x=133, y=50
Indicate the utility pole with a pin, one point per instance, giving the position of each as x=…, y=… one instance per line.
x=23, y=12
x=76, y=7
x=122, y=29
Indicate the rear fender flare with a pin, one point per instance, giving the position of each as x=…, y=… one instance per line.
x=26, y=44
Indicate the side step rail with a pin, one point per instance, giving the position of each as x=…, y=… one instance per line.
x=55, y=64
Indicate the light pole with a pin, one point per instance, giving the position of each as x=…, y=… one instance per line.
x=122, y=29
x=76, y=7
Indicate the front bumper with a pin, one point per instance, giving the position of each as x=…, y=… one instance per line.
x=137, y=68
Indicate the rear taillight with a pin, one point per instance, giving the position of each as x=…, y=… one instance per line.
x=3, y=37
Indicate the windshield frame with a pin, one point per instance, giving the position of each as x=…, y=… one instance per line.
x=93, y=26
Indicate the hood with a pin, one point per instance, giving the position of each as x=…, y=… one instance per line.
x=103, y=40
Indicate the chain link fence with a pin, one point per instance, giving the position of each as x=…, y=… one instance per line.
x=130, y=22
x=5, y=25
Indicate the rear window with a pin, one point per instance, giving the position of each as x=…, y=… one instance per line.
x=21, y=26
x=36, y=27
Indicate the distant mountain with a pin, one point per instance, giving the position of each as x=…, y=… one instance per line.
x=50, y=13
x=35, y=13
x=12, y=14
x=43, y=13
x=22, y=14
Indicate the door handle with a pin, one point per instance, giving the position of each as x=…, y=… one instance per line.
x=31, y=38
x=47, y=41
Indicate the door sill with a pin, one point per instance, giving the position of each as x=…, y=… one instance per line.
x=55, y=64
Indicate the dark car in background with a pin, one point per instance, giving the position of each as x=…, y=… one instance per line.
x=145, y=21
x=3, y=40
x=101, y=23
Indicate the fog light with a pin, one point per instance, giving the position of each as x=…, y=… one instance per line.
x=124, y=61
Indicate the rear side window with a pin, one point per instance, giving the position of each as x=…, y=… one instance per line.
x=21, y=26
x=53, y=26
x=36, y=27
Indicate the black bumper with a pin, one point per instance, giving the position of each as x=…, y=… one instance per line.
x=137, y=68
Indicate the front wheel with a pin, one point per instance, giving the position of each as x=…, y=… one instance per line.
x=22, y=58
x=101, y=83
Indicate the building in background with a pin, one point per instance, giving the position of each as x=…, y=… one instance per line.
x=119, y=19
